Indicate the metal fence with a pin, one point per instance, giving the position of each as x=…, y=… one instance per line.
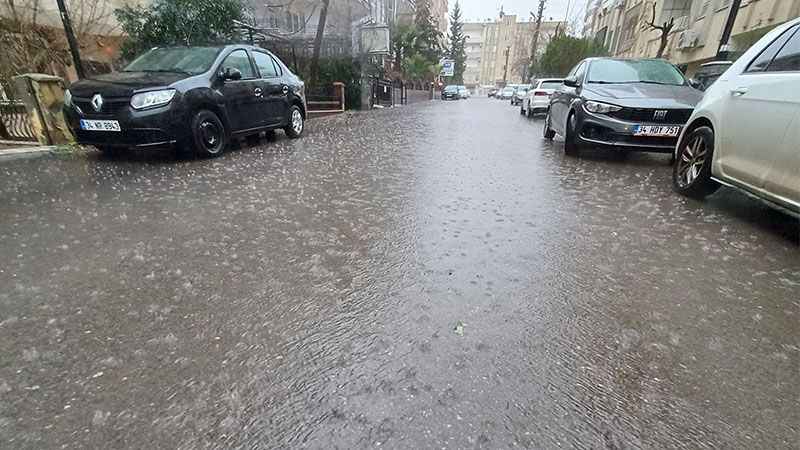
x=15, y=123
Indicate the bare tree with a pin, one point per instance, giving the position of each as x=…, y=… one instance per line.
x=31, y=43
x=323, y=17
x=664, y=29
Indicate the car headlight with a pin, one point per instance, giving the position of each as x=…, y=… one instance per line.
x=600, y=108
x=152, y=98
x=67, y=98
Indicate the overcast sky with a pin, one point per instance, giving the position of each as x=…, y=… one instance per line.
x=480, y=10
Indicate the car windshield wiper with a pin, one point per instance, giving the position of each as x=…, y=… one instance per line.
x=602, y=82
x=175, y=70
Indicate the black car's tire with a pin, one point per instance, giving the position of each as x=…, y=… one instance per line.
x=109, y=151
x=691, y=174
x=571, y=147
x=209, y=136
x=297, y=123
x=548, y=132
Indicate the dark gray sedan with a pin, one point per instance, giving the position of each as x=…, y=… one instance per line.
x=618, y=103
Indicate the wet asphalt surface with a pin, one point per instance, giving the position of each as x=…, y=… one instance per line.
x=434, y=276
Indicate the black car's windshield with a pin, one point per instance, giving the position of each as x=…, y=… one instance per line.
x=451, y=89
x=189, y=60
x=612, y=71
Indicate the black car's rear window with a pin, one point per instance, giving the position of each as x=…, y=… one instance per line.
x=191, y=60
x=550, y=84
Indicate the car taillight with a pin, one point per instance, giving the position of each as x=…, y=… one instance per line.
x=540, y=93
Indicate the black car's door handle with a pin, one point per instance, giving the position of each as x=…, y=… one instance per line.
x=257, y=92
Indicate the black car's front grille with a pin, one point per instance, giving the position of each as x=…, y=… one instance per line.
x=655, y=115
x=110, y=107
x=123, y=138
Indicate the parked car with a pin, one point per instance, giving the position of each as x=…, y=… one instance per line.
x=745, y=131
x=708, y=73
x=192, y=98
x=629, y=104
x=450, y=92
x=506, y=93
x=519, y=95
x=463, y=92
x=538, y=98
x=492, y=92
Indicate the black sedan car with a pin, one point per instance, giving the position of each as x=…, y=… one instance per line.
x=193, y=98
x=450, y=92
x=618, y=103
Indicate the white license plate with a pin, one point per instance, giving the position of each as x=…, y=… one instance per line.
x=100, y=125
x=656, y=130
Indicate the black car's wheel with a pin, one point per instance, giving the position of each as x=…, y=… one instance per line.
x=691, y=174
x=109, y=151
x=570, y=139
x=296, y=123
x=548, y=132
x=209, y=136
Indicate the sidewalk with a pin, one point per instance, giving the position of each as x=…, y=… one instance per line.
x=16, y=148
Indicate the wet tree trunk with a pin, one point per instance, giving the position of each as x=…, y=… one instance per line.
x=323, y=17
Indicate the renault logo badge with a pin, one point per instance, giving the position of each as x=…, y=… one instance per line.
x=660, y=114
x=97, y=102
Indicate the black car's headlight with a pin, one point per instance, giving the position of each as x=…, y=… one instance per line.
x=67, y=98
x=152, y=99
x=600, y=108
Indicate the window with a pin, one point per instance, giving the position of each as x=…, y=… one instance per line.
x=621, y=71
x=238, y=60
x=265, y=65
x=788, y=58
x=191, y=60
x=580, y=72
x=765, y=57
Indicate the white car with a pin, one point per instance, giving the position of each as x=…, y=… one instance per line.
x=538, y=98
x=745, y=133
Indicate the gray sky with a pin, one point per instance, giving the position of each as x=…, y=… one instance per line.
x=480, y=10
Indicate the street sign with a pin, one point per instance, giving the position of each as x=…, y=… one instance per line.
x=448, y=68
x=375, y=40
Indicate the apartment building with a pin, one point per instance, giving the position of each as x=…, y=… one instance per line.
x=506, y=48
x=699, y=24
x=473, y=31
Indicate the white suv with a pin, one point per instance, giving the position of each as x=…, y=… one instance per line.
x=745, y=133
x=538, y=98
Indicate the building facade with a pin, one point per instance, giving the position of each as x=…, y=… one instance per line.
x=695, y=38
x=506, y=43
x=473, y=32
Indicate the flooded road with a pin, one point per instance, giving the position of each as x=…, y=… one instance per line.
x=433, y=276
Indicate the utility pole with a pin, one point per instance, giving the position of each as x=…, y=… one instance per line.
x=505, y=68
x=535, y=43
x=74, y=50
x=724, y=48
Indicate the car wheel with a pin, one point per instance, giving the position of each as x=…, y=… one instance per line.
x=570, y=140
x=691, y=174
x=209, y=137
x=296, y=123
x=109, y=151
x=548, y=132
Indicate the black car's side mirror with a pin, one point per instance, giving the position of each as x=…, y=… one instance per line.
x=571, y=82
x=695, y=83
x=231, y=74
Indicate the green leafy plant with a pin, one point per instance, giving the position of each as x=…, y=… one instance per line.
x=178, y=22
x=457, y=43
x=563, y=52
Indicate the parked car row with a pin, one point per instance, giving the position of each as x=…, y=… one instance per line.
x=195, y=99
x=743, y=132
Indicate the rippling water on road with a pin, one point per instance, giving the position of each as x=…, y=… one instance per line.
x=422, y=277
